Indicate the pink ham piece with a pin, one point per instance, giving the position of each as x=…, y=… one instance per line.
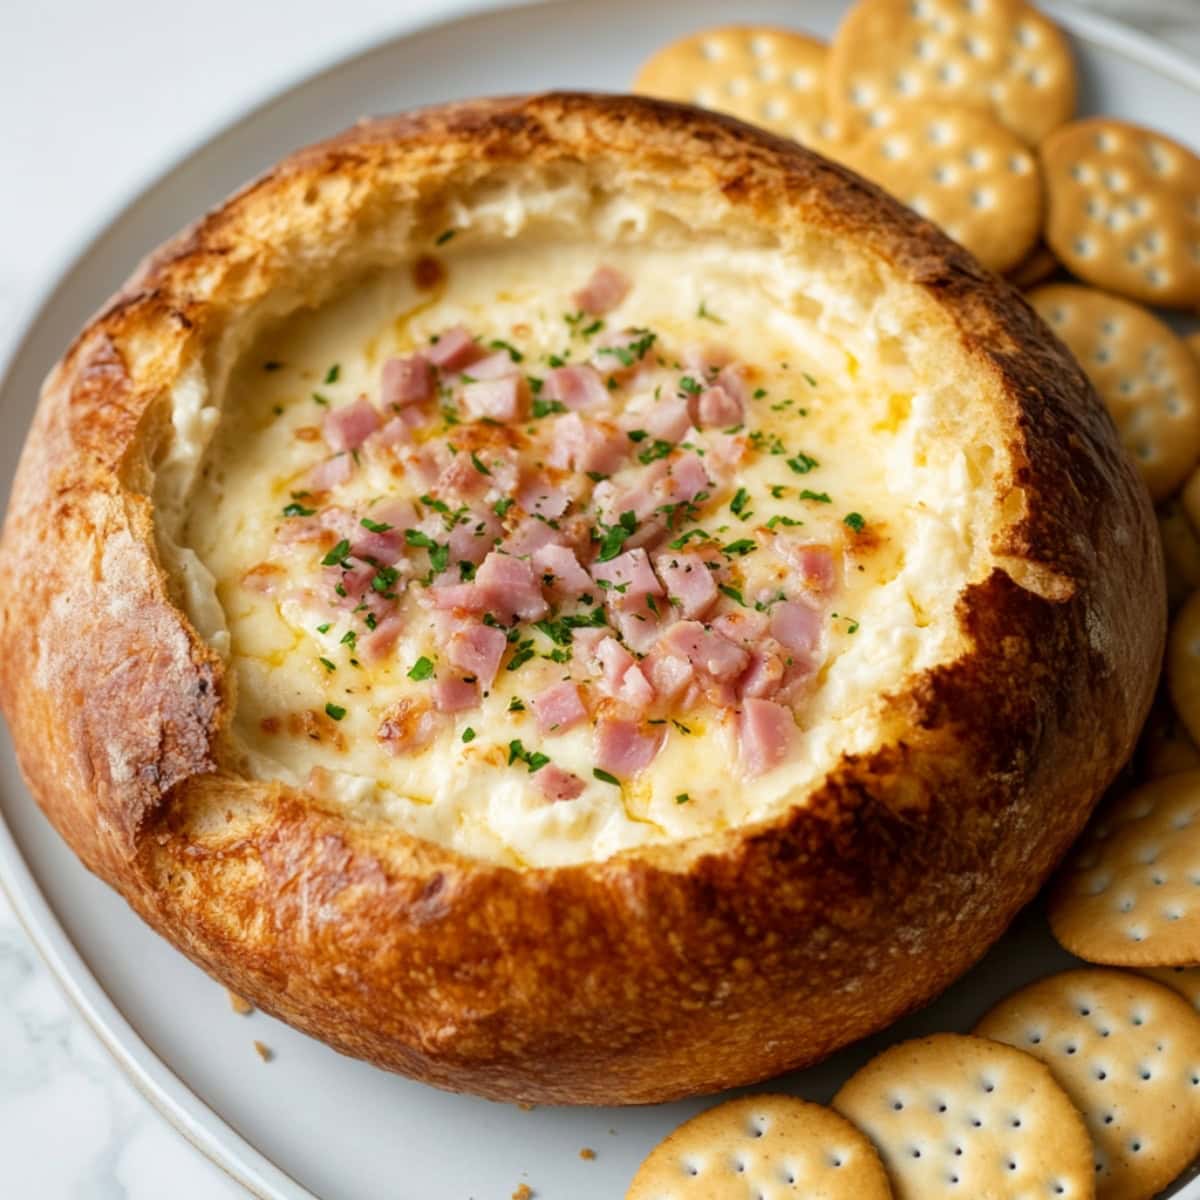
x=544, y=499
x=492, y=366
x=580, y=445
x=715, y=406
x=584, y=645
x=454, y=349
x=641, y=494
x=575, y=387
x=496, y=399
x=687, y=477
x=732, y=381
x=742, y=625
x=669, y=674
x=355, y=580
x=462, y=478
x=707, y=359
x=477, y=650
x=406, y=381
x=510, y=586
x=796, y=626
x=556, y=784
x=331, y=473
x=346, y=428
x=471, y=539
x=568, y=578
x=765, y=734
x=603, y=292
x=707, y=651
x=639, y=626
x=636, y=691
x=451, y=694
x=689, y=583
x=812, y=561
x=630, y=571
x=530, y=536
x=764, y=675
x=398, y=431
x=558, y=708
x=613, y=349
x=375, y=646
x=622, y=748
x=667, y=421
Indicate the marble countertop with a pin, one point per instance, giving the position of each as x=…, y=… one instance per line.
x=95, y=97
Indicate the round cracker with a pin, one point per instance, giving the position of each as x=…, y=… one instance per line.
x=1181, y=551
x=770, y=77
x=1184, y=980
x=762, y=1146
x=1166, y=747
x=1129, y=894
x=1183, y=665
x=1036, y=267
x=1000, y=56
x=1127, y=1051
x=961, y=1116
x=1123, y=209
x=1146, y=376
x=965, y=172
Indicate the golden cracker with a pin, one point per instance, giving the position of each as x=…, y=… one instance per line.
x=770, y=77
x=1129, y=894
x=961, y=1117
x=1000, y=56
x=963, y=171
x=1183, y=666
x=1145, y=375
x=1036, y=267
x=769, y=1146
x=1184, y=980
x=1127, y=1051
x=1181, y=551
x=1165, y=746
x=1123, y=210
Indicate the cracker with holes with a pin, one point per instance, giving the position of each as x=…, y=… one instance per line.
x=767, y=1146
x=1123, y=210
x=1000, y=56
x=1183, y=667
x=1129, y=895
x=1181, y=551
x=964, y=1117
x=1127, y=1051
x=1146, y=376
x=769, y=77
x=965, y=172
x=1184, y=980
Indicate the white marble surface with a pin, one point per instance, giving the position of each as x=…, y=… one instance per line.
x=94, y=97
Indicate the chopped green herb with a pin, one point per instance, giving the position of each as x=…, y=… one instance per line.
x=809, y=379
x=778, y=491
x=597, y=476
x=605, y=777
x=680, y=726
x=512, y=351
x=759, y=393
x=348, y=639
x=369, y=620
x=336, y=711
x=740, y=547
x=535, y=760
x=682, y=798
x=690, y=387
x=780, y=519
x=543, y=408
x=421, y=669
x=691, y=535
x=298, y=510
x=656, y=450
x=615, y=536
x=338, y=555
x=327, y=664
x=703, y=313
x=324, y=628
x=516, y=704
x=331, y=376
x=502, y=506
x=319, y=399
x=802, y=463
x=819, y=497
x=385, y=579
x=855, y=521
x=468, y=734
x=732, y=593
x=477, y=463
x=522, y=654
x=557, y=631
x=466, y=570
x=637, y=435
x=443, y=237
x=739, y=503
x=374, y=526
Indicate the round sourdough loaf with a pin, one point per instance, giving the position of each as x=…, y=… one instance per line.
x=588, y=950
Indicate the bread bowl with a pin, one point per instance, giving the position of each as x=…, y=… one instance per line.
x=435, y=911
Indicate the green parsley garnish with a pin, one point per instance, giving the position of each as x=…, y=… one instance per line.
x=374, y=526
x=819, y=497
x=605, y=777
x=703, y=313
x=809, y=379
x=740, y=547
x=502, y=506
x=780, y=519
x=443, y=237
x=338, y=555
x=331, y=376
x=477, y=463
x=421, y=669
x=513, y=352
x=535, y=760
x=691, y=535
x=543, y=408
x=682, y=798
x=855, y=521
x=298, y=510
x=637, y=435
x=690, y=387
x=468, y=734
x=522, y=654
x=615, y=536
x=516, y=704
x=336, y=711
x=327, y=664
x=656, y=450
x=739, y=503
x=319, y=399
x=324, y=628
x=802, y=463
x=732, y=593
x=348, y=638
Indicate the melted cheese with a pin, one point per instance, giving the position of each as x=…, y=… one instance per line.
x=836, y=385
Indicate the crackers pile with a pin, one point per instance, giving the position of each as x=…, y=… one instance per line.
x=1086, y=1083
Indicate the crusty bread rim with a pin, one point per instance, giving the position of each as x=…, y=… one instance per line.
x=598, y=982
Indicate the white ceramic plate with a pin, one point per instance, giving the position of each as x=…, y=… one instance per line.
x=312, y=1123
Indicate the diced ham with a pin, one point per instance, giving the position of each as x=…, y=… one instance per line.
x=575, y=387
x=581, y=445
x=498, y=399
x=732, y=381
x=640, y=493
x=558, y=708
x=407, y=380
x=689, y=583
x=796, y=626
x=705, y=359
x=452, y=694
x=375, y=646
x=408, y=725
x=726, y=451
x=603, y=292
x=331, y=473
x=398, y=431
x=511, y=586
x=715, y=406
x=639, y=626
x=346, y=428
x=669, y=674
x=630, y=571
x=812, y=561
x=556, y=784
x=543, y=498
x=383, y=547
x=423, y=463
x=614, y=662
x=462, y=478
x=569, y=578
x=355, y=580
x=706, y=650
x=687, y=477
x=492, y=366
x=264, y=578
x=468, y=596
x=454, y=349
x=620, y=352
x=742, y=625
x=622, y=748
x=584, y=646
x=477, y=650
x=764, y=674
x=765, y=734
x=667, y=421
x=530, y=536
x=636, y=691
x=471, y=539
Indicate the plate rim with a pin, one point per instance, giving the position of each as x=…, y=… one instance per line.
x=193, y=1118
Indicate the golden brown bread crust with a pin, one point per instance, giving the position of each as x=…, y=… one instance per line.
x=657, y=973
